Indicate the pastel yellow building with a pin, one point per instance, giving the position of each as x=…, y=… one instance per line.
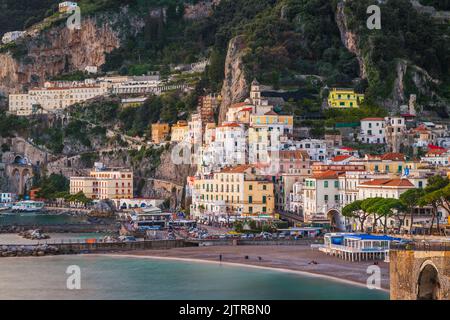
x=389, y=163
x=258, y=198
x=234, y=191
x=104, y=183
x=160, y=132
x=180, y=131
x=344, y=98
x=272, y=118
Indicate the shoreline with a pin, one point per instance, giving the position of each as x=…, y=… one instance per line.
x=235, y=264
x=294, y=259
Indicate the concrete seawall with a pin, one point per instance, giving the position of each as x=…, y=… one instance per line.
x=13, y=250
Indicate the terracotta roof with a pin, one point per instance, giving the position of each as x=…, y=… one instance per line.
x=330, y=174
x=389, y=183
x=230, y=125
x=246, y=109
x=296, y=154
x=421, y=128
x=237, y=169
x=271, y=113
x=347, y=148
x=372, y=119
x=393, y=156
x=238, y=105
x=390, y=156
x=340, y=158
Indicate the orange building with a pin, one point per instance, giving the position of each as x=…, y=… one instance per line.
x=160, y=132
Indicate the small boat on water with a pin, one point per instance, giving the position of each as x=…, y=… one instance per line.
x=28, y=206
x=5, y=206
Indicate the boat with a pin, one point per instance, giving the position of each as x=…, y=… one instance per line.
x=5, y=206
x=28, y=206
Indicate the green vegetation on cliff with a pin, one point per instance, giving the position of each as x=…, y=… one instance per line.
x=405, y=34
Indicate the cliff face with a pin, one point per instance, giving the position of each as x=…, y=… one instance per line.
x=60, y=49
x=235, y=87
x=349, y=39
x=409, y=78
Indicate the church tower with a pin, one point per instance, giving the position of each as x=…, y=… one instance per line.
x=255, y=93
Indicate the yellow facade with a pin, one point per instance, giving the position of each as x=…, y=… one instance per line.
x=258, y=198
x=272, y=119
x=383, y=166
x=237, y=190
x=179, y=131
x=344, y=98
x=107, y=184
x=160, y=132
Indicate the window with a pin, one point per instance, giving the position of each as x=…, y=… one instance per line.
x=264, y=199
x=325, y=197
x=336, y=184
x=325, y=184
x=250, y=199
x=250, y=187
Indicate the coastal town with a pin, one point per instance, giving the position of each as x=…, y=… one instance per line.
x=306, y=178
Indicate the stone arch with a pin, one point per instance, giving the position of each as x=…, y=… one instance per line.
x=336, y=220
x=428, y=284
x=19, y=159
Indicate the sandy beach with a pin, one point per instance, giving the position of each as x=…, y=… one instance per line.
x=283, y=258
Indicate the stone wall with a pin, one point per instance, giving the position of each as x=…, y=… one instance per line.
x=406, y=267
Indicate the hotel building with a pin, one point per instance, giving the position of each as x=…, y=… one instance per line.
x=105, y=183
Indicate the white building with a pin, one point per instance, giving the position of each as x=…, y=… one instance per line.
x=53, y=97
x=373, y=130
x=139, y=203
x=228, y=149
x=296, y=198
x=6, y=197
x=321, y=196
x=384, y=188
x=437, y=157
x=12, y=36
x=317, y=149
x=91, y=69
x=67, y=6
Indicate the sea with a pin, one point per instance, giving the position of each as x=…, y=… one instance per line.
x=102, y=277
x=44, y=218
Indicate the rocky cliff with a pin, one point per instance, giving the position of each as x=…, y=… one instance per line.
x=407, y=77
x=348, y=38
x=61, y=50
x=235, y=87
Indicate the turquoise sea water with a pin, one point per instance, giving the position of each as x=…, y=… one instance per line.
x=38, y=218
x=105, y=277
